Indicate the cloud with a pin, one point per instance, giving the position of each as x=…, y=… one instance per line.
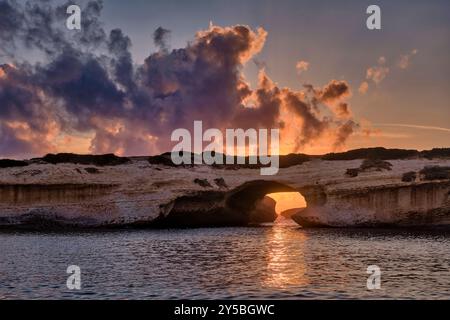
x=377, y=73
x=302, y=66
x=333, y=91
x=260, y=64
x=332, y=95
x=343, y=132
x=312, y=126
x=343, y=110
x=160, y=38
x=380, y=71
x=89, y=86
x=364, y=86
x=404, y=60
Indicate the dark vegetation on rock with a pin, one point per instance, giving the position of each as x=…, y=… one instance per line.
x=286, y=161
x=409, y=176
x=163, y=159
x=387, y=154
x=294, y=159
x=203, y=183
x=97, y=160
x=369, y=164
x=92, y=170
x=376, y=164
x=435, y=173
x=220, y=182
x=7, y=163
x=372, y=153
x=436, y=153
x=353, y=172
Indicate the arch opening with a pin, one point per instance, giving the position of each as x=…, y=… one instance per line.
x=267, y=200
x=247, y=204
x=288, y=203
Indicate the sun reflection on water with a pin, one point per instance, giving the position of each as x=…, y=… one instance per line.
x=282, y=249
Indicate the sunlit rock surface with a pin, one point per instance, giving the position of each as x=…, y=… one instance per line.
x=141, y=194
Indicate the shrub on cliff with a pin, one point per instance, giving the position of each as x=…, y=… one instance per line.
x=203, y=183
x=165, y=159
x=436, y=153
x=372, y=153
x=220, y=182
x=409, y=176
x=435, y=173
x=369, y=164
x=92, y=170
x=97, y=160
x=353, y=172
x=162, y=160
x=7, y=163
x=292, y=159
x=376, y=164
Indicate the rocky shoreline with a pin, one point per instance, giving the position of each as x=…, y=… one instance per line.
x=71, y=191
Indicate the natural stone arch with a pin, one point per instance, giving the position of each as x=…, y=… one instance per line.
x=245, y=196
x=243, y=205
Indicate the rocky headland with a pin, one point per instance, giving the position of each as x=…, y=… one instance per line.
x=360, y=188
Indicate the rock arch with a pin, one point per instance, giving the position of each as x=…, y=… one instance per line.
x=243, y=205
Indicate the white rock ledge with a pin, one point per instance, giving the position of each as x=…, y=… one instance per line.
x=140, y=194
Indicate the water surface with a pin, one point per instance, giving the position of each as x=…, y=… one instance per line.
x=280, y=261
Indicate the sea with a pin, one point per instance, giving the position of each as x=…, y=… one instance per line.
x=272, y=261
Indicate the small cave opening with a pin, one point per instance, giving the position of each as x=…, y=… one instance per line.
x=288, y=203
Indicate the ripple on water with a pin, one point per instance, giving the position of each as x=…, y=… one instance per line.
x=273, y=262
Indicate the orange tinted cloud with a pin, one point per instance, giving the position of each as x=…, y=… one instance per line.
x=302, y=66
x=364, y=86
x=404, y=60
x=129, y=108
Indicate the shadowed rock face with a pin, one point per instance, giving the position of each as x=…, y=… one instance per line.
x=143, y=194
x=289, y=213
x=213, y=209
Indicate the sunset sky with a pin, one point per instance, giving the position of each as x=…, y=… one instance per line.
x=311, y=68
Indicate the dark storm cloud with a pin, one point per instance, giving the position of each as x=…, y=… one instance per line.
x=88, y=83
x=331, y=95
x=312, y=126
x=11, y=145
x=160, y=38
x=83, y=83
x=26, y=120
x=40, y=25
x=122, y=64
x=268, y=101
x=343, y=132
x=11, y=21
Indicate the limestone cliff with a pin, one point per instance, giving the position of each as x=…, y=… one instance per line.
x=141, y=194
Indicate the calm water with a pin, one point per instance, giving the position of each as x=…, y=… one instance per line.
x=280, y=261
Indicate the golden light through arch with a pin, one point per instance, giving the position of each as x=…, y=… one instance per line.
x=287, y=200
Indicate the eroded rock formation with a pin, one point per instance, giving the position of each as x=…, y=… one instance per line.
x=138, y=193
